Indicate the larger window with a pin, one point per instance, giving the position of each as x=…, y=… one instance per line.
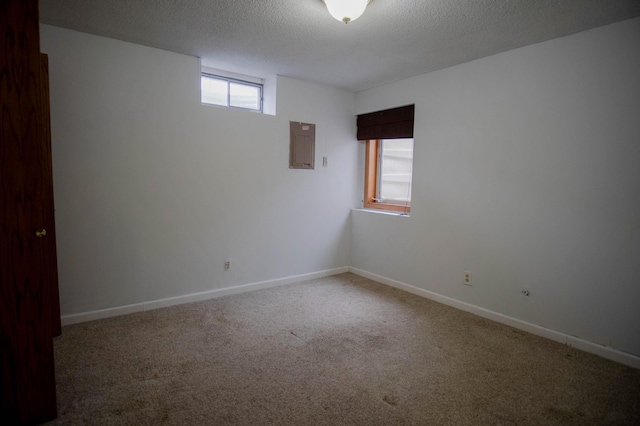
x=389, y=157
x=229, y=92
x=388, y=174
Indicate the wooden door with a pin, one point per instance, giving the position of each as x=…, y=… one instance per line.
x=28, y=298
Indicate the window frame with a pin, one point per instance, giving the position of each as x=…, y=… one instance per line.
x=230, y=80
x=371, y=181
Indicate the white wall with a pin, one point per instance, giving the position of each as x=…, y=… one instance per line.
x=527, y=173
x=153, y=190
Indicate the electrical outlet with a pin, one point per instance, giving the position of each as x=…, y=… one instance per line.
x=227, y=264
x=467, y=278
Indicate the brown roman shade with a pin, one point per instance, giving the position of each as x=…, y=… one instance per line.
x=394, y=123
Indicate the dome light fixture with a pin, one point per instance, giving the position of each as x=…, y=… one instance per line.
x=346, y=10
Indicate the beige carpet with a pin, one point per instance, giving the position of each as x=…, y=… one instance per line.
x=333, y=351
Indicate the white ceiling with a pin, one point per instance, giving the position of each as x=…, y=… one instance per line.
x=394, y=39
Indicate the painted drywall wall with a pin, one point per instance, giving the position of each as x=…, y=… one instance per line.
x=526, y=172
x=154, y=191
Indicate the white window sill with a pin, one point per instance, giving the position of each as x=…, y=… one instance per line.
x=384, y=212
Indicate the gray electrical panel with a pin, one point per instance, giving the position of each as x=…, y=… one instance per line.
x=303, y=145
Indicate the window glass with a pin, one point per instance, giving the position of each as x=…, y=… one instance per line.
x=244, y=96
x=214, y=91
x=395, y=167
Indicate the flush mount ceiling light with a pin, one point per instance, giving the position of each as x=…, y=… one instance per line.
x=346, y=10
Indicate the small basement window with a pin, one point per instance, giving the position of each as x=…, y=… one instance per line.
x=230, y=92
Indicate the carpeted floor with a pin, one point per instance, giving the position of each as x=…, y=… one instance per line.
x=341, y=350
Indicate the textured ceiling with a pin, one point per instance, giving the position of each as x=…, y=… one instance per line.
x=394, y=39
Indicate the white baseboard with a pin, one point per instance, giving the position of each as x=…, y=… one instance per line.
x=573, y=341
x=576, y=342
x=195, y=297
